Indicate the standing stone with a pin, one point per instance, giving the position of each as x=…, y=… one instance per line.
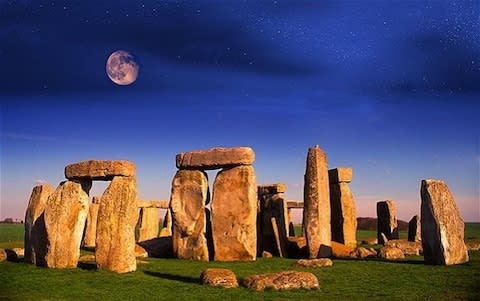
x=386, y=221
x=65, y=215
x=35, y=232
x=189, y=195
x=117, y=217
x=343, y=214
x=149, y=223
x=442, y=226
x=91, y=227
x=414, y=229
x=316, y=213
x=234, y=214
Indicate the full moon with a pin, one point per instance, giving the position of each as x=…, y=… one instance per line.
x=122, y=68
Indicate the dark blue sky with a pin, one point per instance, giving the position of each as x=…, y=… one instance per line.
x=389, y=88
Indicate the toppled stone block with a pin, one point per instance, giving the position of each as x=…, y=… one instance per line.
x=219, y=278
x=391, y=253
x=282, y=281
x=315, y=263
x=407, y=247
x=215, y=158
x=104, y=170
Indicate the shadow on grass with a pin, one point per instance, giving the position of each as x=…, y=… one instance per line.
x=185, y=279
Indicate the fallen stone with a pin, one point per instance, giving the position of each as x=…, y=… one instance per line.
x=386, y=221
x=473, y=246
x=442, y=226
x=407, y=247
x=140, y=252
x=91, y=225
x=342, y=251
x=340, y=175
x=282, y=281
x=234, y=214
x=160, y=247
x=215, y=158
x=315, y=263
x=316, y=213
x=3, y=255
x=266, y=254
x=15, y=254
x=35, y=240
x=117, y=217
x=370, y=241
x=65, y=216
x=104, y=170
x=414, y=229
x=87, y=258
x=149, y=223
x=362, y=252
x=189, y=196
x=219, y=278
x=297, y=247
x=391, y=253
x=343, y=214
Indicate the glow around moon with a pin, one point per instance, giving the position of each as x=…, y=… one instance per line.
x=122, y=68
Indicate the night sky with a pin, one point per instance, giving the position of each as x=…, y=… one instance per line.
x=390, y=88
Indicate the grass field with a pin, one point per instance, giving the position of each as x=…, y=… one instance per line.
x=160, y=279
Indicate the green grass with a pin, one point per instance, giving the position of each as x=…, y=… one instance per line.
x=165, y=279
x=11, y=235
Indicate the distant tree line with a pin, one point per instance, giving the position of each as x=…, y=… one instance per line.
x=10, y=220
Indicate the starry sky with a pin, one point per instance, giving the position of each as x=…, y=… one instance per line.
x=390, y=88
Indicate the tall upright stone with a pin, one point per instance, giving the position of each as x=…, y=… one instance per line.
x=149, y=223
x=35, y=240
x=91, y=226
x=117, y=217
x=273, y=204
x=343, y=213
x=414, y=229
x=316, y=213
x=386, y=221
x=65, y=215
x=442, y=226
x=234, y=214
x=190, y=194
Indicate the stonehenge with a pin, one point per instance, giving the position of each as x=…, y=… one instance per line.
x=343, y=214
x=386, y=221
x=236, y=221
x=442, y=226
x=316, y=213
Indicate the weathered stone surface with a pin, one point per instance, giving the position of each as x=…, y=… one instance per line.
x=442, y=226
x=91, y=226
x=234, y=214
x=3, y=255
x=163, y=204
x=340, y=175
x=387, y=221
x=272, y=188
x=370, y=241
x=65, y=215
x=343, y=214
x=100, y=169
x=316, y=213
x=391, y=253
x=140, y=252
x=342, y=251
x=149, y=221
x=315, y=263
x=117, y=217
x=266, y=254
x=273, y=205
x=189, y=195
x=15, y=254
x=407, y=247
x=282, y=281
x=87, y=258
x=414, y=229
x=472, y=246
x=362, y=252
x=35, y=240
x=215, y=158
x=219, y=277
x=167, y=224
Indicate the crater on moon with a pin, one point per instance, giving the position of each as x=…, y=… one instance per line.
x=122, y=68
